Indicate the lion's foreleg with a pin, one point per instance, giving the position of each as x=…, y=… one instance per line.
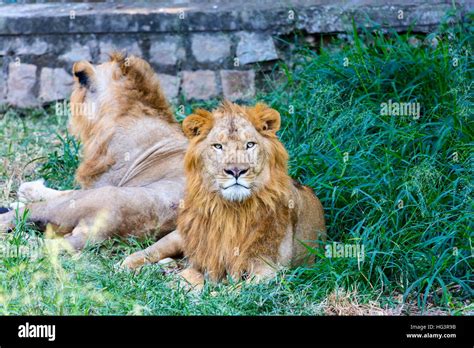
x=193, y=279
x=170, y=245
x=261, y=271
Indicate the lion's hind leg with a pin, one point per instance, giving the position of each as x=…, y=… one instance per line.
x=6, y=220
x=35, y=191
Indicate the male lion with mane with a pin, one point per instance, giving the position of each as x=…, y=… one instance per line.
x=131, y=173
x=243, y=216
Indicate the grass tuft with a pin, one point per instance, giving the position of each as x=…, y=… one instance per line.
x=401, y=186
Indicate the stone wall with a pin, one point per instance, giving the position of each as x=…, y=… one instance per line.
x=200, y=49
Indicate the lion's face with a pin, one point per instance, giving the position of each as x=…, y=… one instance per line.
x=233, y=149
x=233, y=158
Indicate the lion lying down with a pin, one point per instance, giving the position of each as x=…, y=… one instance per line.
x=243, y=216
x=131, y=174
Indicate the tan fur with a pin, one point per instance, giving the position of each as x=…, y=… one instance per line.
x=138, y=96
x=253, y=232
x=131, y=170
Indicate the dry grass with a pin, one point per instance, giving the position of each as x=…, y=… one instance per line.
x=350, y=303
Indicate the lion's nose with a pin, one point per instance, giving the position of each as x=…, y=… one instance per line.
x=236, y=172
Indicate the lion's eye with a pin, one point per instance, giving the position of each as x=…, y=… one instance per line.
x=217, y=146
x=250, y=144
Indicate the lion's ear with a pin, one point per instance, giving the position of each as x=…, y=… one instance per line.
x=83, y=72
x=267, y=120
x=123, y=61
x=198, y=123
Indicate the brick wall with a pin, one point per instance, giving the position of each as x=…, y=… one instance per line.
x=200, y=49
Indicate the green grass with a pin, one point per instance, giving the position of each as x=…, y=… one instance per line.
x=399, y=186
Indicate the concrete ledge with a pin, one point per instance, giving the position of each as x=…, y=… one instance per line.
x=200, y=49
x=275, y=16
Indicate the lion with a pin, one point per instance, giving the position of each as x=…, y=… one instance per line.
x=243, y=217
x=131, y=174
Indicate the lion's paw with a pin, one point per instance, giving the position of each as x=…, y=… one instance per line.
x=32, y=191
x=191, y=280
x=6, y=221
x=16, y=205
x=133, y=261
